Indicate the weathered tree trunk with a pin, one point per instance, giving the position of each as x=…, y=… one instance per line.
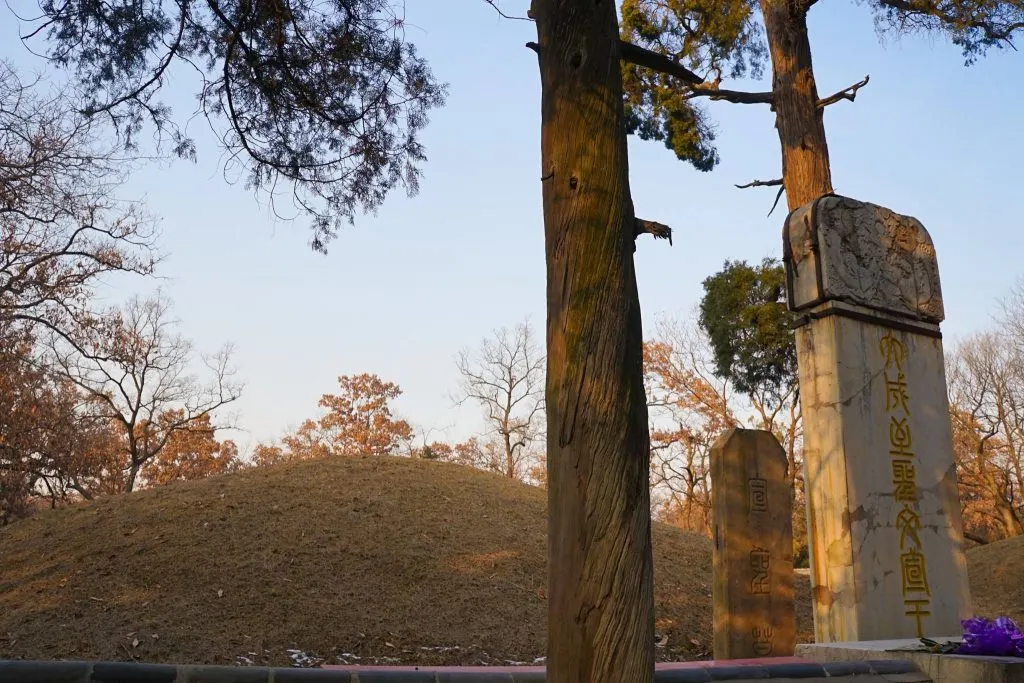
x=600, y=597
x=805, y=166
x=133, y=475
x=510, y=461
x=1004, y=510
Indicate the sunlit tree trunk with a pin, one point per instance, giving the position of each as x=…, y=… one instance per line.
x=806, y=174
x=600, y=598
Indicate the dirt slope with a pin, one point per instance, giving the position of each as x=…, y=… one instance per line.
x=386, y=559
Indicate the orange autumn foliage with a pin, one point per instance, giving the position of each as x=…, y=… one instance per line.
x=359, y=419
x=191, y=453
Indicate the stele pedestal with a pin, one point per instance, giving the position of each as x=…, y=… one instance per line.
x=886, y=539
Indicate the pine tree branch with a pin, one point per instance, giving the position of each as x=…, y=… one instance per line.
x=634, y=54
x=734, y=96
x=929, y=8
x=658, y=230
x=848, y=93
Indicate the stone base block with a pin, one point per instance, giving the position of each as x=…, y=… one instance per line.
x=940, y=668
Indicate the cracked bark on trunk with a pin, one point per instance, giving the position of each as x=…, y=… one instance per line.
x=600, y=597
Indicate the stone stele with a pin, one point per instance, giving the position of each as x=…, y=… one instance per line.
x=753, y=547
x=886, y=539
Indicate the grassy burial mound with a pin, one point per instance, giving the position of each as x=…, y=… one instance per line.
x=997, y=578
x=366, y=560
x=384, y=559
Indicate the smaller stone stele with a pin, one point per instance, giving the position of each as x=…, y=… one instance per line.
x=753, y=547
x=841, y=249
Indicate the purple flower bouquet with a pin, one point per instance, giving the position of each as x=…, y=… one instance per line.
x=999, y=637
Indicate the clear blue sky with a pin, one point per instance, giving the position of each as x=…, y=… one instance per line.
x=401, y=292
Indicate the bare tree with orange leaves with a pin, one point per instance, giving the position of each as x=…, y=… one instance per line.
x=51, y=452
x=359, y=420
x=133, y=370
x=191, y=453
x=986, y=388
x=690, y=406
x=62, y=229
x=689, y=409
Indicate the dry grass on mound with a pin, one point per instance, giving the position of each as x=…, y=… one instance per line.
x=388, y=559
x=997, y=579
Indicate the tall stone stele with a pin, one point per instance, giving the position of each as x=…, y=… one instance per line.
x=885, y=535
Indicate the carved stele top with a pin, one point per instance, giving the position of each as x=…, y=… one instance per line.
x=840, y=249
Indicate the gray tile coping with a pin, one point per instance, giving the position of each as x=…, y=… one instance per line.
x=864, y=671
x=939, y=668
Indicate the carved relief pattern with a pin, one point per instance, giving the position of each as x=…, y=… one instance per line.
x=871, y=257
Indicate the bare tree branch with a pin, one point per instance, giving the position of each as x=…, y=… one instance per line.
x=61, y=228
x=658, y=230
x=778, y=196
x=848, y=93
x=734, y=96
x=761, y=183
x=494, y=4
x=777, y=182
